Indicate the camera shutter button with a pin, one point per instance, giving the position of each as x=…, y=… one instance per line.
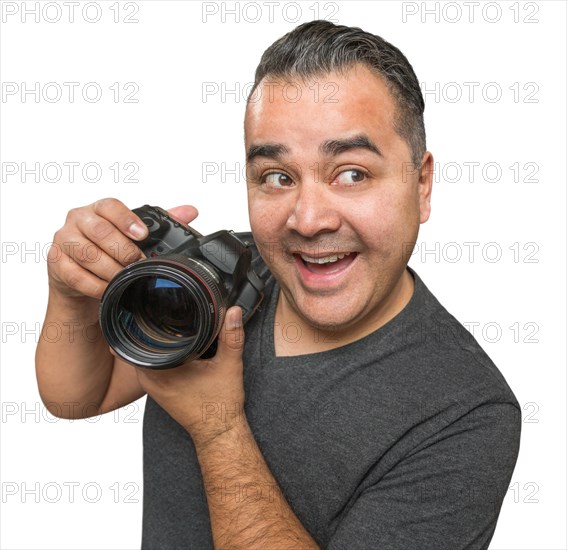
x=151, y=224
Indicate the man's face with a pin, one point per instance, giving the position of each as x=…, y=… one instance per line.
x=334, y=201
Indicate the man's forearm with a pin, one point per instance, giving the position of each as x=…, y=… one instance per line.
x=246, y=506
x=73, y=364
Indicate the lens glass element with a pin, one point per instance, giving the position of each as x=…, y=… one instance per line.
x=159, y=312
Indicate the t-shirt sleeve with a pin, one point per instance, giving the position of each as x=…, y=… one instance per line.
x=445, y=494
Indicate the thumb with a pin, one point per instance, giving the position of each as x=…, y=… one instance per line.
x=231, y=336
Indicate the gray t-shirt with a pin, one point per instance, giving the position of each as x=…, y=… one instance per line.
x=405, y=439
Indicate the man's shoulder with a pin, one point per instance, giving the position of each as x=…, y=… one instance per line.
x=443, y=348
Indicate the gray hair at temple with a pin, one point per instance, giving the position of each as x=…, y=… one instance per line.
x=321, y=47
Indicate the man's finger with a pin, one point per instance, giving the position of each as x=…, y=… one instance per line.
x=183, y=214
x=231, y=337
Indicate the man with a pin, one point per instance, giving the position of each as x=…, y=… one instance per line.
x=356, y=412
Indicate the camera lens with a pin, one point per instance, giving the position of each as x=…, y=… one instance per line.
x=159, y=313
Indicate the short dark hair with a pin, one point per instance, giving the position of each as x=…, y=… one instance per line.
x=321, y=47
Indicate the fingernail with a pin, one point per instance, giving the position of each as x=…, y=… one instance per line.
x=235, y=320
x=137, y=231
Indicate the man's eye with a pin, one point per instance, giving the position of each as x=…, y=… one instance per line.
x=277, y=179
x=350, y=177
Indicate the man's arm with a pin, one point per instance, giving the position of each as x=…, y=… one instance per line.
x=446, y=495
x=259, y=517
x=77, y=375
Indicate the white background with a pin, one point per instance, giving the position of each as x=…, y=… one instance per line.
x=83, y=478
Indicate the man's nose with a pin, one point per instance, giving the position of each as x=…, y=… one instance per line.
x=314, y=211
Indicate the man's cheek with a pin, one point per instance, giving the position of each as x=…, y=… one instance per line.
x=287, y=257
x=268, y=250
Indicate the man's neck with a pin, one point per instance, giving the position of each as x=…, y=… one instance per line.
x=294, y=335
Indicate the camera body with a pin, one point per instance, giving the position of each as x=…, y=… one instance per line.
x=169, y=308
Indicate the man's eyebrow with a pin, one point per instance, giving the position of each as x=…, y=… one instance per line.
x=269, y=150
x=334, y=147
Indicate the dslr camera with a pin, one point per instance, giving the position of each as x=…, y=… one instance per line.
x=169, y=308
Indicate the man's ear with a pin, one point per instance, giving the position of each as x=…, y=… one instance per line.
x=425, y=184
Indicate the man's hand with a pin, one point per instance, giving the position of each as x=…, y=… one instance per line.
x=191, y=391
x=95, y=243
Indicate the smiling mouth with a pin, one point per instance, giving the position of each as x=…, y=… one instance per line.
x=326, y=265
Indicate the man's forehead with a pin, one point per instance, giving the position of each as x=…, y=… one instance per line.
x=357, y=91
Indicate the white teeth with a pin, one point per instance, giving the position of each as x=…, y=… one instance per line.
x=325, y=260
